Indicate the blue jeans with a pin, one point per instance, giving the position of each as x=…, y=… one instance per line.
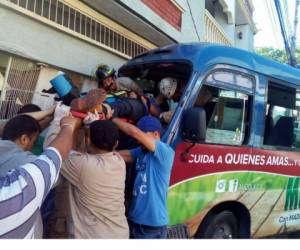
x=138, y=231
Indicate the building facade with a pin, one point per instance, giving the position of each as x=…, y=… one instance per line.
x=38, y=38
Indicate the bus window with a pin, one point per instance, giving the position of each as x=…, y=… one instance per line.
x=282, y=117
x=226, y=115
x=234, y=78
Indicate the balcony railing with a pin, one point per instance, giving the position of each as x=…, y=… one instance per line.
x=214, y=33
x=66, y=17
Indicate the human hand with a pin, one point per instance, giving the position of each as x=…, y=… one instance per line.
x=167, y=116
x=70, y=121
x=91, y=117
x=96, y=96
x=61, y=111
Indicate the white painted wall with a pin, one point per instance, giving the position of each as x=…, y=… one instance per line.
x=247, y=41
x=24, y=36
x=222, y=19
x=188, y=32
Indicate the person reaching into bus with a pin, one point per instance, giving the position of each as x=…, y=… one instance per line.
x=42, y=116
x=24, y=187
x=18, y=138
x=97, y=179
x=148, y=216
x=166, y=101
x=14, y=152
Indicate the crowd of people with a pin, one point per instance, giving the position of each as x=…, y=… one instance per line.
x=41, y=151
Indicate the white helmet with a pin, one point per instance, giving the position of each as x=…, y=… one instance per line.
x=167, y=86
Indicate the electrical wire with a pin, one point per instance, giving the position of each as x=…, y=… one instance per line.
x=190, y=10
x=274, y=22
x=283, y=32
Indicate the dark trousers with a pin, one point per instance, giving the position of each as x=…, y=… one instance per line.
x=47, y=210
x=124, y=107
x=138, y=231
x=131, y=109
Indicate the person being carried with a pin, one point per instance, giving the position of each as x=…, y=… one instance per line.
x=95, y=100
x=131, y=108
x=148, y=217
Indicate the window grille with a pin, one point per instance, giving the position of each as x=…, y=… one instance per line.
x=72, y=19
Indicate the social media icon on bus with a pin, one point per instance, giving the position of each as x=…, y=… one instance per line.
x=221, y=186
x=233, y=185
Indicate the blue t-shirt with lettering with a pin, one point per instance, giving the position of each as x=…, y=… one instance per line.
x=149, y=203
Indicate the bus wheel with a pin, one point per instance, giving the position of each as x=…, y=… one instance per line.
x=223, y=225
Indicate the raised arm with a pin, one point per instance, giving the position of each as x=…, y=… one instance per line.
x=40, y=115
x=23, y=189
x=63, y=142
x=43, y=117
x=126, y=155
x=92, y=98
x=131, y=130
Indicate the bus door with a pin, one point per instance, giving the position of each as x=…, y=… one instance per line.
x=209, y=173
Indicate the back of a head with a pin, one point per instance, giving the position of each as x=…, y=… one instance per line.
x=20, y=125
x=104, y=135
x=27, y=108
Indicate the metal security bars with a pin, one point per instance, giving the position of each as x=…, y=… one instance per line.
x=72, y=19
x=214, y=32
x=19, y=85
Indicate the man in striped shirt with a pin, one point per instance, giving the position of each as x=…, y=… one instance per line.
x=23, y=189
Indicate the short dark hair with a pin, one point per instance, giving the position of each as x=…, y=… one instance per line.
x=104, y=134
x=29, y=108
x=20, y=125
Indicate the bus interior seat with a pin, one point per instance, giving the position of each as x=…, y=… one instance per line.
x=269, y=125
x=283, y=132
x=209, y=110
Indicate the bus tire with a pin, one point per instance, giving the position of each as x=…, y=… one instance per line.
x=223, y=225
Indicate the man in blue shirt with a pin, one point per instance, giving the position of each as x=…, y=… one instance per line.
x=148, y=216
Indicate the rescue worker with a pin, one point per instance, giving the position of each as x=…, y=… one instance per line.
x=107, y=79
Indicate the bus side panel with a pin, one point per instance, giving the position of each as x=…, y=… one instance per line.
x=265, y=182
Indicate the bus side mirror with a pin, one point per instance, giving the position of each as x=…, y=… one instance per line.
x=194, y=125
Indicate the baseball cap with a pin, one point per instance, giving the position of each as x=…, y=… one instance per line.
x=150, y=124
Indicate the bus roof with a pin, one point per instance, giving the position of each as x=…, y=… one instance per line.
x=202, y=55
